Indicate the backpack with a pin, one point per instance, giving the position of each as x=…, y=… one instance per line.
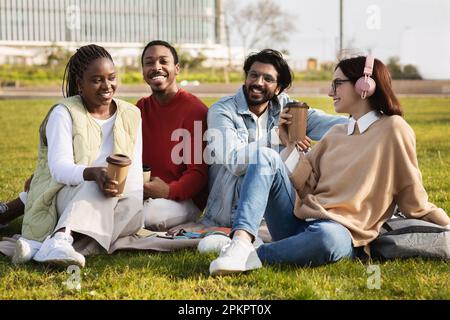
x=405, y=238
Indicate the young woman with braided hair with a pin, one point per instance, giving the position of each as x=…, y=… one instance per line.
x=70, y=194
x=75, y=67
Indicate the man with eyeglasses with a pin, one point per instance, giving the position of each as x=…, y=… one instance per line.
x=238, y=125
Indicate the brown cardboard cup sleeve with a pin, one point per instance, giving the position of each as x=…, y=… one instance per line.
x=118, y=165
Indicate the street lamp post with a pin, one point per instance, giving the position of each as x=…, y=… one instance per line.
x=341, y=20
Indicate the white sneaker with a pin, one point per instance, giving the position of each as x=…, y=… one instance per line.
x=58, y=250
x=213, y=243
x=238, y=256
x=25, y=250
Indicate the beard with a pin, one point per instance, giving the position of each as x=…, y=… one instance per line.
x=264, y=96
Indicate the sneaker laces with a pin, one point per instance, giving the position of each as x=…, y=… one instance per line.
x=63, y=237
x=228, y=249
x=225, y=248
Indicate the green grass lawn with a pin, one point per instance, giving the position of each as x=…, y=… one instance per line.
x=184, y=274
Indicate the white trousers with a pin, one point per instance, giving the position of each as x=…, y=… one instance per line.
x=163, y=214
x=84, y=209
x=159, y=214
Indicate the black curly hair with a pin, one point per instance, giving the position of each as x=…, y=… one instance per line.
x=276, y=59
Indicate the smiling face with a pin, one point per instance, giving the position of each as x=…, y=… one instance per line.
x=159, y=69
x=99, y=83
x=261, y=84
x=345, y=98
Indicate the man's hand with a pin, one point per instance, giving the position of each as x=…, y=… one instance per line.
x=283, y=122
x=156, y=188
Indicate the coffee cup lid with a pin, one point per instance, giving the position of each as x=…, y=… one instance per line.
x=146, y=167
x=120, y=160
x=296, y=104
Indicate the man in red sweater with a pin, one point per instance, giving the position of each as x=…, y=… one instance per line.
x=173, y=124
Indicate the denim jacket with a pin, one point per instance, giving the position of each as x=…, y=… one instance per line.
x=231, y=142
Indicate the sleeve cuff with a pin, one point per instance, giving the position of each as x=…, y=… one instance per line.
x=292, y=160
x=173, y=191
x=301, y=173
x=78, y=175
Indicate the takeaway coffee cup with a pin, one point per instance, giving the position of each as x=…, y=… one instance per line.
x=297, y=129
x=147, y=172
x=118, y=165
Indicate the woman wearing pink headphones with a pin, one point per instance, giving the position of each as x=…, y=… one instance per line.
x=330, y=203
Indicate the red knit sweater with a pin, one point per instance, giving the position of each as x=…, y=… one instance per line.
x=189, y=179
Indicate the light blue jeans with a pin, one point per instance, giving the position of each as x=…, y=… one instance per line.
x=267, y=191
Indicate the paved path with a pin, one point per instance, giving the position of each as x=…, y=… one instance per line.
x=306, y=88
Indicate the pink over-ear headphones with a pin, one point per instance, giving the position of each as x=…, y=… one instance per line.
x=365, y=86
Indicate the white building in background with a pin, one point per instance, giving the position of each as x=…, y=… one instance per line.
x=12, y=55
x=28, y=28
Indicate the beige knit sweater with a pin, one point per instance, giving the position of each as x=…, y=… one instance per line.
x=356, y=180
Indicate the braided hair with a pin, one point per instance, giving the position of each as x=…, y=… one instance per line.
x=77, y=64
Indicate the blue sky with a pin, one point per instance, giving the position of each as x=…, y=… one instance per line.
x=416, y=31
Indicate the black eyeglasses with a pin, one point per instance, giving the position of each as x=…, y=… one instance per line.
x=253, y=75
x=336, y=83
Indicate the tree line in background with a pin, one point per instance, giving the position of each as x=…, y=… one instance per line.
x=191, y=70
x=406, y=72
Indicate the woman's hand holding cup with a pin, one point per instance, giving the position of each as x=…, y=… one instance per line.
x=303, y=145
x=107, y=186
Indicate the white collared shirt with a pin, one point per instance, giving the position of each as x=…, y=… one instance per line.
x=363, y=123
x=261, y=123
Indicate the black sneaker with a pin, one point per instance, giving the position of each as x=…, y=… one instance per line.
x=3, y=209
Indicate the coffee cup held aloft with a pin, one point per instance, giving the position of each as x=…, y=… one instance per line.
x=297, y=129
x=118, y=165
